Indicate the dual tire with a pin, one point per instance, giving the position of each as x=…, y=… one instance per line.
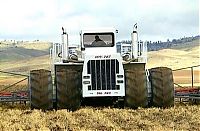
x=162, y=88
x=68, y=94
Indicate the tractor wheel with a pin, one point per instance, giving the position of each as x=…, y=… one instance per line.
x=136, y=89
x=162, y=86
x=68, y=84
x=41, y=89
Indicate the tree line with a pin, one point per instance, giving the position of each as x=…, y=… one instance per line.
x=158, y=45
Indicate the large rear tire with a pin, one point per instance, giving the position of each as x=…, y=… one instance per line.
x=162, y=87
x=41, y=89
x=136, y=89
x=68, y=84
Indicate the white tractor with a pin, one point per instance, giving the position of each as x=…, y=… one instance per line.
x=99, y=73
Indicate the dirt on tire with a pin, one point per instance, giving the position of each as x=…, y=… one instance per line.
x=136, y=90
x=41, y=89
x=68, y=89
x=162, y=87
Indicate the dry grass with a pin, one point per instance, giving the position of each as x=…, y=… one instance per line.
x=174, y=58
x=89, y=118
x=13, y=88
x=24, y=66
x=36, y=45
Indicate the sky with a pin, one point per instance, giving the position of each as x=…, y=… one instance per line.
x=43, y=19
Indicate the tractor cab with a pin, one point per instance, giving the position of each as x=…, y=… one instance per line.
x=98, y=41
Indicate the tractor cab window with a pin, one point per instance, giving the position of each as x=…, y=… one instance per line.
x=98, y=39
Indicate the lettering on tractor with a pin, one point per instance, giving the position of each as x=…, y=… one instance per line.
x=95, y=70
x=101, y=56
x=99, y=93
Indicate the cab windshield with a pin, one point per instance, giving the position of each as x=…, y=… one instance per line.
x=98, y=39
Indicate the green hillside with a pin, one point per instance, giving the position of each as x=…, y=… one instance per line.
x=187, y=45
x=19, y=53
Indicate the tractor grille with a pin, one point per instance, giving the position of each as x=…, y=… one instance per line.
x=103, y=74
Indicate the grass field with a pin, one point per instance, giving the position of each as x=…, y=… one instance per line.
x=180, y=117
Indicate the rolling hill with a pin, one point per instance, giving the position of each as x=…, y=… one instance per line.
x=26, y=56
x=20, y=53
x=174, y=58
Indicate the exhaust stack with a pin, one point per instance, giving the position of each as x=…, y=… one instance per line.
x=65, y=52
x=134, y=37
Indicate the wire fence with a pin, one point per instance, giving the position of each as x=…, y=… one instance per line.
x=187, y=77
x=13, y=87
x=187, y=84
x=11, y=80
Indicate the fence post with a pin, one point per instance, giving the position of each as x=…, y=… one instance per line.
x=192, y=73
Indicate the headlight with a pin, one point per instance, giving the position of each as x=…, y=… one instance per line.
x=86, y=82
x=120, y=76
x=120, y=81
x=86, y=77
x=126, y=56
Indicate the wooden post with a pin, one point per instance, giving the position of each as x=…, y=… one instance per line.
x=192, y=73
